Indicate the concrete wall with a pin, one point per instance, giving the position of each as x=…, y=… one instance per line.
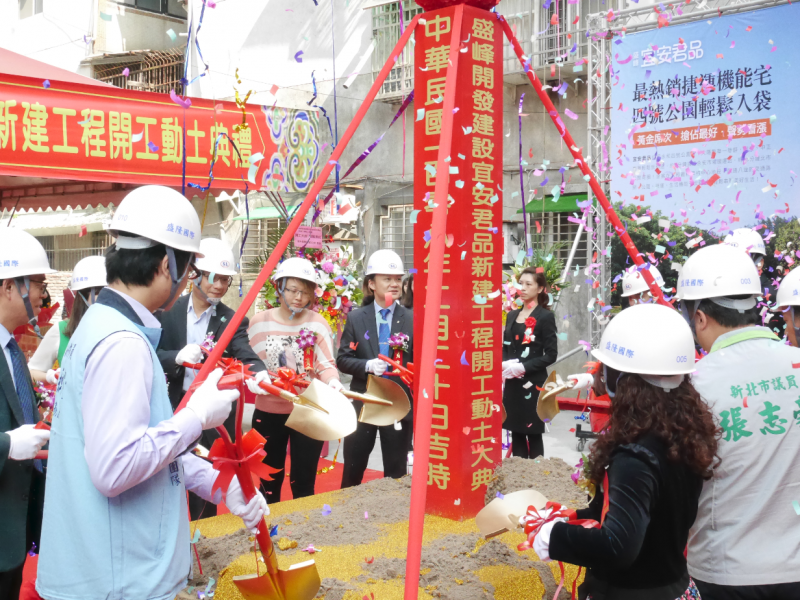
x=132, y=29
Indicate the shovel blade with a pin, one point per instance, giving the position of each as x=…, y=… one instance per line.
x=299, y=582
x=338, y=420
x=547, y=406
x=502, y=514
x=384, y=388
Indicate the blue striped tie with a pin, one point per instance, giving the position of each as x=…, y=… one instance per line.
x=384, y=332
x=24, y=390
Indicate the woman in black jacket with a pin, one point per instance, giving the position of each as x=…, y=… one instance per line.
x=651, y=462
x=529, y=347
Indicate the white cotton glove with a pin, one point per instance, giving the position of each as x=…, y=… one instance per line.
x=250, y=512
x=210, y=404
x=252, y=384
x=541, y=545
x=26, y=442
x=582, y=381
x=376, y=366
x=513, y=370
x=52, y=376
x=190, y=353
x=336, y=385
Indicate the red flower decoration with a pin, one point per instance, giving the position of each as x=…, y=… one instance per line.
x=326, y=296
x=332, y=311
x=530, y=322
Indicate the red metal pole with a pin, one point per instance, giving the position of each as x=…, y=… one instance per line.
x=432, y=308
x=280, y=248
x=578, y=156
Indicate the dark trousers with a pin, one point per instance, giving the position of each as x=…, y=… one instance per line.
x=359, y=444
x=776, y=591
x=305, y=456
x=11, y=582
x=527, y=445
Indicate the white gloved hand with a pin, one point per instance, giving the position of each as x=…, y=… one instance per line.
x=26, y=442
x=190, y=353
x=252, y=384
x=52, y=376
x=336, y=385
x=515, y=369
x=376, y=366
x=210, y=404
x=582, y=381
x=250, y=512
x=541, y=544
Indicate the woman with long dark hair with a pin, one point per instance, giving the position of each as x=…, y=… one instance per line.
x=651, y=461
x=530, y=345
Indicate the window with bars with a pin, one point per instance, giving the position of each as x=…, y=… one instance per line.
x=173, y=8
x=386, y=33
x=258, y=241
x=397, y=233
x=556, y=229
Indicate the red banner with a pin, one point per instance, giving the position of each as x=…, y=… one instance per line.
x=465, y=444
x=71, y=131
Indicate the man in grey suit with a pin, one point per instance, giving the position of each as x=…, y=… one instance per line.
x=22, y=285
x=185, y=326
x=366, y=334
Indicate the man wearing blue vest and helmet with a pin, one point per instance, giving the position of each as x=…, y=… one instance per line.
x=745, y=542
x=115, y=516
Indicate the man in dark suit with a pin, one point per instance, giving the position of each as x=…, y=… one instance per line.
x=186, y=325
x=366, y=334
x=22, y=286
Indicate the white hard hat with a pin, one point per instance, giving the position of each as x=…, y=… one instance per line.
x=88, y=273
x=299, y=268
x=633, y=281
x=647, y=339
x=158, y=214
x=385, y=262
x=21, y=254
x=746, y=239
x=717, y=272
x=217, y=257
x=789, y=292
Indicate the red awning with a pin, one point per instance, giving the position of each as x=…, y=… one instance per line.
x=17, y=64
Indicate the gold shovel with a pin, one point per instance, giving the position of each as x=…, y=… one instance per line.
x=337, y=421
x=391, y=394
x=503, y=514
x=547, y=407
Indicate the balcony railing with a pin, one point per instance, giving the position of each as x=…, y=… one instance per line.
x=65, y=260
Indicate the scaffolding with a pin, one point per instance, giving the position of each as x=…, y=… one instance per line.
x=602, y=28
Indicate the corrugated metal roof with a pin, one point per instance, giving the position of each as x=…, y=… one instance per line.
x=60, y=222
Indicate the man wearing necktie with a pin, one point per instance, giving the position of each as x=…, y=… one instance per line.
x=23, y=266
x=366, y=334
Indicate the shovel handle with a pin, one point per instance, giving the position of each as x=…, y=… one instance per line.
x=405, y=374
x=366, y=398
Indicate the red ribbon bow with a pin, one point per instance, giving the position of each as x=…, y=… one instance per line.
x=252, y=445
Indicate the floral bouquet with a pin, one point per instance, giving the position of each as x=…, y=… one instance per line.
x=399, y=343
x=306, y=343
x=581, y=477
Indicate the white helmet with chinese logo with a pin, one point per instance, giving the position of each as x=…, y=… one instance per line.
x=216, y=260
x=650, y=340
x=89, y=273
x=155, y=214
x=750, y=241
x=787, y=301
x=21, y=255
x=385, y=262
x=294, y=268
x=633, y=281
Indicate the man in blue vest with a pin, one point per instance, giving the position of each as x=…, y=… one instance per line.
x=23, y=266
x=115, y=517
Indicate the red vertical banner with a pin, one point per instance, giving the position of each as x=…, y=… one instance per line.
x=465, y=443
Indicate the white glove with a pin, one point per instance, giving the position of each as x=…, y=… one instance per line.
x=250, y=512
x=513, y=370
x=582, y=381
x=376, y=366
x=190, y=353
x=336, y=385
x=26, y=442
x=252, y=384
x=52, y=376
x=541, y=545
x=210, y=404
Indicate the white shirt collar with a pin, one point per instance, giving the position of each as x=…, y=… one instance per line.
x=190, y=307
x=5, y=336
x=148, y=319
x=378, y=308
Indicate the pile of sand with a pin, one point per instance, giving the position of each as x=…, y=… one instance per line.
x=361, y=542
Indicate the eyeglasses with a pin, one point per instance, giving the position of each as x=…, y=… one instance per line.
x=296, y=292
x=42, y=284
x=225, y=280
